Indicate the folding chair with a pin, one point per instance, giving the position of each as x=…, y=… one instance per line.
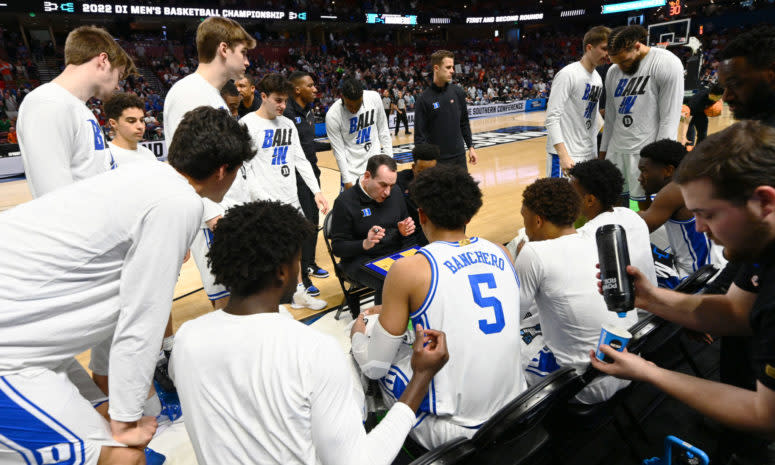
x=352, y=291
x=456, y=451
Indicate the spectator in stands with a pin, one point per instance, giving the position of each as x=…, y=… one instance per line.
x=370, y=220
x=12, y=139
x=556, y=269
x=5, y=123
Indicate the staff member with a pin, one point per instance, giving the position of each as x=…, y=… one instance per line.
x=299, y=110
x=441, y=114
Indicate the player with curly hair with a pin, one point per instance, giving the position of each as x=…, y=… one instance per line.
x=691, y=249
x=557, y=271
x=599, y=183
x=464, y=286
x=269, y=389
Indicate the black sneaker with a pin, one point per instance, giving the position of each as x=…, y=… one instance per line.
x=161, y=375
x=316, y=271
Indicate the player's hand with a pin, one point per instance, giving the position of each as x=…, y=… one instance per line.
x=644, y=290
x=187, y=257
x=472, y=156
x=212, y=222
x=359, y=326
x=566, y=163
x=376, y=233
x=321, y=202
x=375, y=310
x=625, y=365
x=134, y=434
x=348, y=185
x=601, y=155
x=406, y=227
x=429, y=351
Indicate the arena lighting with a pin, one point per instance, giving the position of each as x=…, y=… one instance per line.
x=569, y=13
x=375, y=18
x=628, y=6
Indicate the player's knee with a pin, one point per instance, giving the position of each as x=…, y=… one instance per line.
x=123, y=455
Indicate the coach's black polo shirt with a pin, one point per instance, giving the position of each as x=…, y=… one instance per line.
x=354, y=213
x=441, y=118
x=759, y=278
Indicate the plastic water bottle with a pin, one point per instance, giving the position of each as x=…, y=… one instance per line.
x=618, y=288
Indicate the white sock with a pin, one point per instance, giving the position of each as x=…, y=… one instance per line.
x=167, y=342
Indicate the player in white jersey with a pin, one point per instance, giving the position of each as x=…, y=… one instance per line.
x=691, y=249
x=599, y=184
x=463, y=286
x=557, y=270
x=100, y=257
x=645, y=88
x=271, y=390
x=279, y=155
x=125, y=116
x=222, y=46
x=572, y=111
x=60, y=140
x=357, y=128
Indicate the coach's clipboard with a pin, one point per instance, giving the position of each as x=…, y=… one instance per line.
x=380, y=266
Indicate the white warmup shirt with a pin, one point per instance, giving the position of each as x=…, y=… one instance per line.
x=560, y=276
x=60, y=140
x=268, y=389
x=643, y=107
x=191, y=92
x=473, y=298
x=125, y=156
x=278, y=156
x=99, y=258
x=638, y=239
x=354, y=137
x=571, y=114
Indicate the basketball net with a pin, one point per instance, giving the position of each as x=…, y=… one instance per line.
x=663, y=44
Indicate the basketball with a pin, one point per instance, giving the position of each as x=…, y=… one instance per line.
x=714, y=110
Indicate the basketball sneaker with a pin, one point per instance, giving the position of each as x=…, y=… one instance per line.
x=313, y=291
x=161, y=374
x=317, y=272
x=302, y=299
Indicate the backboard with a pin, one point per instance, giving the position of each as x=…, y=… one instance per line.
x=669, y=33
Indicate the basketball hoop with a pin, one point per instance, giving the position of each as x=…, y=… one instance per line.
x=663, y=44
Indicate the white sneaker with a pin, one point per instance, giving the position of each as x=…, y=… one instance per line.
x=301, y=299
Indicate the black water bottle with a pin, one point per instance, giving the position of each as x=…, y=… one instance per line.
x=614, y=257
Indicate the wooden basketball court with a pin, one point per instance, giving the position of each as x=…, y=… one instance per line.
x=503, y=171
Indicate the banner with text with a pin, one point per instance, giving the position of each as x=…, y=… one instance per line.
x=158, y=147
x=474, y=111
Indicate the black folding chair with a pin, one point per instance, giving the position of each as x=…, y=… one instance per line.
x=456, y=451
x=352, y=291
x=516, y=434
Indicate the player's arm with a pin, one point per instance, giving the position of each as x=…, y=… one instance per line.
x=375, y=354
x=733, y=406
x=666, y=203
x=304, y=167
x=554, y=109
x=383, y=128
x=723, y=315
x=530, y=274
x=47, y=155
x=148, y=276
x=610, y=115
x=338, y=146
x=671, y=92
x=337, y=428
x=465, y=124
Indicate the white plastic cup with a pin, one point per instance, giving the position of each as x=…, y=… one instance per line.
x=615, y=337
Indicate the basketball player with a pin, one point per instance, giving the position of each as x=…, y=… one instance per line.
x=250, y=102
x=691, y=248
x=557, y=271
x=694, y=128
x=60, y=140
x=222, y=46
x=599, y=184
x=278, y=158
x=463, y=286
x=232, y=97
x=441, y=114
x=349, y=124
x=125, y=116
x=645, y=89
x=101, y=257
x=571, y=114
